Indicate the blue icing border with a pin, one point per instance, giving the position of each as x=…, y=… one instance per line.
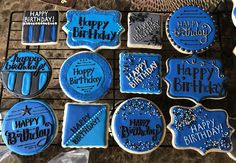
x=195, y=78
x=85, y=125
x=85, y=76
x=107, y=26
x=35, y=124
x=200, y=129
x=138, y=126
x=190, y=29
x=140, y=73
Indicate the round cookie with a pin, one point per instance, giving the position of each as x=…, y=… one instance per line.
x=26, y=74
x=233, y=15
x=85, y=76
x=190, y=30
x=138, y=126
x=29, y=127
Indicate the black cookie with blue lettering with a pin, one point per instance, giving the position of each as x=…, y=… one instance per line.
x=26, y=74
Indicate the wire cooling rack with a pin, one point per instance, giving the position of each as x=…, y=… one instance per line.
x=57, y=54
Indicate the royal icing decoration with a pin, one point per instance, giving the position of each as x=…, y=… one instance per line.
x=29, y=127
x=190, y=29
x=195, y=78
x=93, y=29
x=85, y=125
x=144, y=30
x=138, y=126
x=200, y=129
x=140, y=73
x=40, y=27
x=26, y=74
x=85, y=76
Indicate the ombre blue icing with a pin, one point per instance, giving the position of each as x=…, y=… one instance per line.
x=195, y=78
x=29, y=127
x=190, y=29
x=200, y=129
x=85, y=125
x=93, y=29
x=26, y=74
x=85, y=76
x=140, y=73
x=138, y=126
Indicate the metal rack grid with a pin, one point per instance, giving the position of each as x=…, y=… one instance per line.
x=56, y=54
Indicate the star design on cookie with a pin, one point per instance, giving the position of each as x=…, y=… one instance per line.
x=26, y=111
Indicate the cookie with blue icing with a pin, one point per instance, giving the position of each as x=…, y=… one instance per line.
x=200, y=129
x=40, y=27
x=190, y=29
x=232, y=154
x=85, y=126
x=29, y=127
x=93, y=29
x=144, y=30
x=234, y=13
x=85, y=76
x=138, y=126
x=26, y=74
x=140, y=73
x=195, y=78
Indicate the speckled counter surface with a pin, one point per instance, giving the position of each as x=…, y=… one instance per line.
x=116, y=154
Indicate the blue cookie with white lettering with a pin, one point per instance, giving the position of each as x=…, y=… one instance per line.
x=138, y=126
x=93, y=29
x=29, y=127
x=85, y=126
x=85, y=76
x=200, y=129
x=26, y=74
x=195, y=78
x=190, y=30
x=140, y=73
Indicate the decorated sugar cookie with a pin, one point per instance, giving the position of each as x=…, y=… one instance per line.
x=26, y=74
x=93, y=29
x=138, y=126
x=200, y=129
x=140, y=73
x=29, y=127
x=195, y=78
x=85, y=76
x=144, y=30
x=190, y=30
x=85, y=126
x=232, y=154
x=40, y=27
x=234, y=12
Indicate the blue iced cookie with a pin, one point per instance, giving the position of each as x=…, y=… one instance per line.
x=138, y=126
x=85, y=126
x=232, y=154
x=200, y=129
x=195, y=78
x=140, y=73
x=234, y=13
x=29, y=127
x=26, y=74
x=40, y=27
x=93, y=29
x=190, y=29
x=85, y=76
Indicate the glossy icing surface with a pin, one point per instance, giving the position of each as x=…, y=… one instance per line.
x=93, y=28
x=40, y=27
x=138, y=126
x=190, y=29
x=200, y=129
x=140, y=73
x=29, y=127
x=195, y=78
x=26, y=74
x=85, y=125
x=85, y=76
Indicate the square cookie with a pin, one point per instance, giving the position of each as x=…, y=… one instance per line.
x=144, y=30
x=40, y=27
x=140, y=73
x=85, y=126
